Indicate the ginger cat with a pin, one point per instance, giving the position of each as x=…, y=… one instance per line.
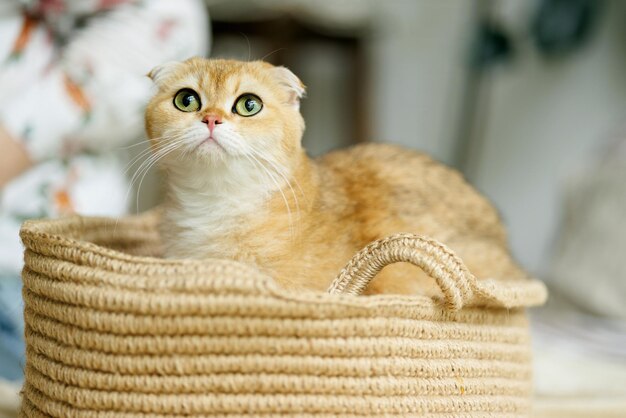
x=239, y=185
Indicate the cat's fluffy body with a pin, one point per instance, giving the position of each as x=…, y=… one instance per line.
x=298, y=219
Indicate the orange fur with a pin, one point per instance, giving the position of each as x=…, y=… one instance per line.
x=302, y=225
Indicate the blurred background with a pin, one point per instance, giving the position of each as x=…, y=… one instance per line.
x=525, y=98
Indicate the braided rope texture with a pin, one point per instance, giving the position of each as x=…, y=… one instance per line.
x=113, y=331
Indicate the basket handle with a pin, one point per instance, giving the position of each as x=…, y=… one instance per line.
x=437, y=260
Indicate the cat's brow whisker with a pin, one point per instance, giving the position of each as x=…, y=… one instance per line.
x=249, y=48
x=272, y=53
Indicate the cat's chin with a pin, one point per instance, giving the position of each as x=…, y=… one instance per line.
x=209, y=150
x=209, y=145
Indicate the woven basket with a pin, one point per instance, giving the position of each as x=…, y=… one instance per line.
x=114, y=332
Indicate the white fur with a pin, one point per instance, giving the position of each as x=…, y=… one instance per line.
x=215, y=188
x=160, y=73
x=293, y=84
x=209, y=206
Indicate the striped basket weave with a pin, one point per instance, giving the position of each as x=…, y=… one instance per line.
x=113, y=332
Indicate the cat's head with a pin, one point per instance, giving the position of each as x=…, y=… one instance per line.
x=218, y=112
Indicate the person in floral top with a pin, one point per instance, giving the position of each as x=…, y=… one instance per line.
x=72, y=93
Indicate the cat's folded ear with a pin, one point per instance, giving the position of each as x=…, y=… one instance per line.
x=160, y=73
x=292, y=83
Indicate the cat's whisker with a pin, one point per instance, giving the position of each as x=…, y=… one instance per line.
x=136, y=144
x=148, y=151
x=156, y=153
x=284, y=177
x=148, y=154
x=175, y=141
x=143, y=171
x=147, y=163
x=280, y=190
x=137, y=159
x=281, y=170
x=278, y=171
x=146, y=172
x=248, y=150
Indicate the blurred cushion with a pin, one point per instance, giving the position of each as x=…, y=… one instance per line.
x=589, y=266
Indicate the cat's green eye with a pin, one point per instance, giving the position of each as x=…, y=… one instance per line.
x=187, y=100
x=248, y=105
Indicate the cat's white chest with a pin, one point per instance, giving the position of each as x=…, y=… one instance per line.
x=209, y=214
x=209, y=226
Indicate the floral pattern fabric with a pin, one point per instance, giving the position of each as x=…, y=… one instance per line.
x=73, y=90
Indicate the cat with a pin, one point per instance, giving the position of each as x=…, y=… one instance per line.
x=239, y=185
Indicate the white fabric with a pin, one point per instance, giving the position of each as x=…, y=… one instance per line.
x=73, y=88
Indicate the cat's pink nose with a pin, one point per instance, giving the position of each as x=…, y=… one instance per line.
x=211, y=121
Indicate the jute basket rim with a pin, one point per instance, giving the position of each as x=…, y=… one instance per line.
x=68, y=239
